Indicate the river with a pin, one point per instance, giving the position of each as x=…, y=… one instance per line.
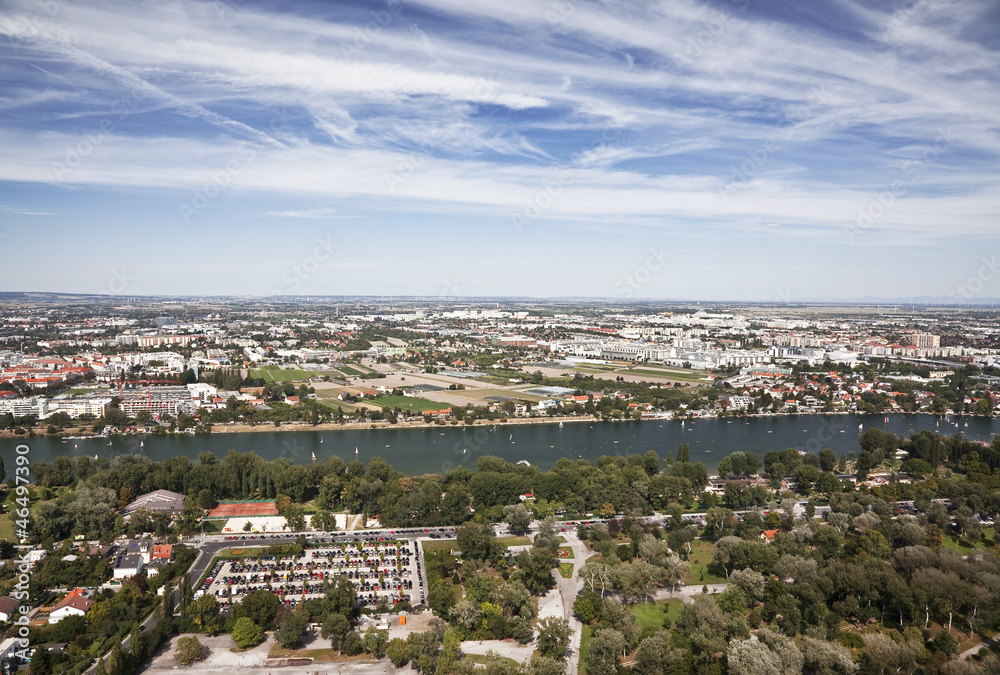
x=435, y=450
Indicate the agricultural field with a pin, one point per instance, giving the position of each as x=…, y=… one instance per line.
x=409, y=403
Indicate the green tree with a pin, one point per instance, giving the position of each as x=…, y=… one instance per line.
x=206, y=500
x=553, y=636
x=291, y=626
x=189, y=649
x=535, y=569
x=41, y=661
x=517, y=517
x=335, y=628
x=246, y=633
x=602, y=658
x=398, y=652
x=205, y=613
x=476, y=541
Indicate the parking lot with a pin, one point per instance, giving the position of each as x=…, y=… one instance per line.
x=388, y=569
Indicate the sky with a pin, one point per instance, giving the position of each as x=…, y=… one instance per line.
x=777, y=151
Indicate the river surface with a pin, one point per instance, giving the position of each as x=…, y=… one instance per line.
x=435, y=450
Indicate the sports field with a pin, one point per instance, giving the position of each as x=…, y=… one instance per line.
x=237, y=509
x=277, y=374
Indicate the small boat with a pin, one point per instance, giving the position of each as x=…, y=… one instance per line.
x=524, y=462
x=95, y=456
x=355, y=449
x=886, y=420
x=142, y=444
x=966, y=424
x=560, y=424
x=109, y=442
x=321, y=440
x=314, y=456
x=861, y=426
x=466, y=450
x=75, y=446
x=511, y=437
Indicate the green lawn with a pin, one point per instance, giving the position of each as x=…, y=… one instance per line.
x=569, y=553
x=585, y=638
x=513, y=541
x=652, y=613
x=348, y=370
x=965, y=546
x=699, y=560
x=276, y=374
x=76, y=391
x=685, y=375
x=411, y=403
x=566, y=570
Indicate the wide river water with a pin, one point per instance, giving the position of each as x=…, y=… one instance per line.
x=434, y=450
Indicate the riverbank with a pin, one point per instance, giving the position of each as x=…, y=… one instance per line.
x=419, y=423
x=325, y=426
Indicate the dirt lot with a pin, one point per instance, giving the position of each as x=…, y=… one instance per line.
x=222, y=661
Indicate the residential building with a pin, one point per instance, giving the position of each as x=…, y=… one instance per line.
x=74, y=604
x=8, y=606
x=127, y=566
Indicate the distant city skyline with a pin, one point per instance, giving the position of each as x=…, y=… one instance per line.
x=705, y=150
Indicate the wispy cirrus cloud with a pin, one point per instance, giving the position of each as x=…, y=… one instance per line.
x=646, y=109
x=23, y=211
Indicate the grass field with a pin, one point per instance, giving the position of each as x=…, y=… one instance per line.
x=585, y=638
x=513, y=541
x=277, y=374
x=699, y=560
x=566, y=570
x=652, y=613
x=348, y=370
x=76, y=391
x=964, y=546
x=685, y=375
x=569, y=553
x=411, y=403
x=329, y=398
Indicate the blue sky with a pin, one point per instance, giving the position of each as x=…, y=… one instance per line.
x=731, y=149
